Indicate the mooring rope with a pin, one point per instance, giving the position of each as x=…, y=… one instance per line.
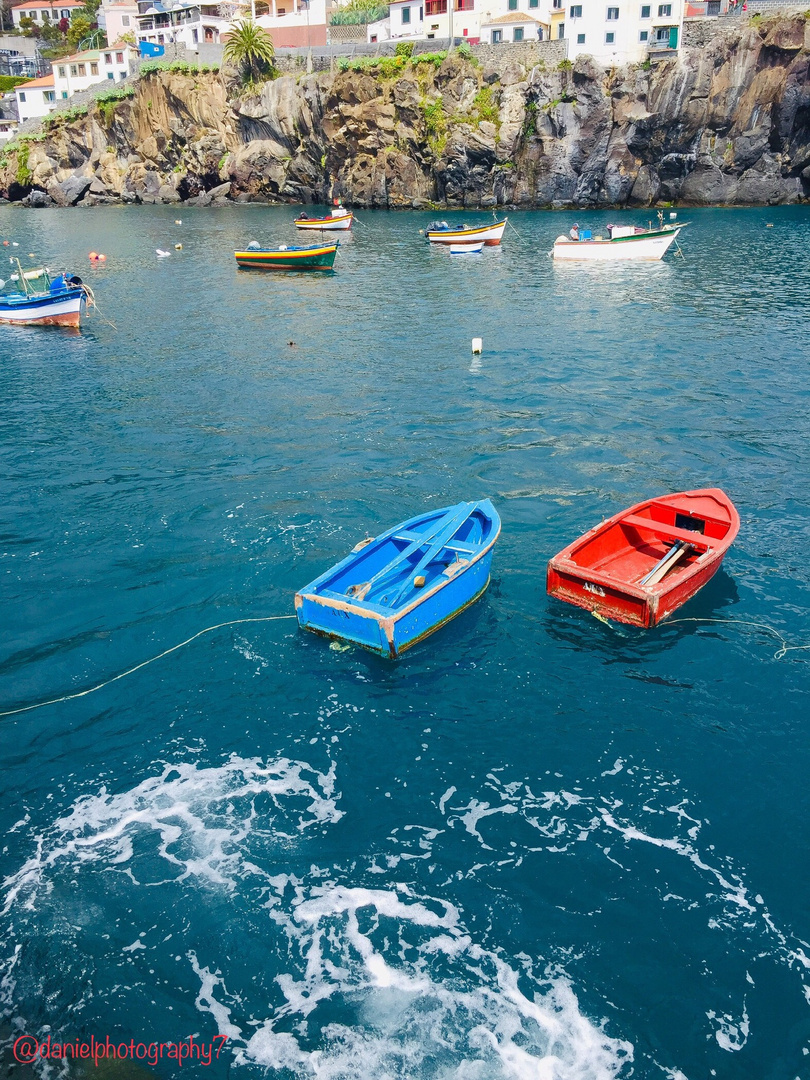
x=785, y=648
x=143, y=664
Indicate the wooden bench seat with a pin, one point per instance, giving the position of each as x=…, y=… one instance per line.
x=667, y=532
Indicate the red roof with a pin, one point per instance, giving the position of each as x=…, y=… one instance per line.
x=36, y=84
x=36, y=4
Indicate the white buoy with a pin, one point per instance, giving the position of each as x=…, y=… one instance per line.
x=177, y=221
x=477, y=344
x=673, y=216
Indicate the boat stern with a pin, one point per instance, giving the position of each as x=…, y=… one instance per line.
x=568, y=582
x=337, y=618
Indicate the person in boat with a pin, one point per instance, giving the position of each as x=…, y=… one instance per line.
x=302, y=217
x=574, y=233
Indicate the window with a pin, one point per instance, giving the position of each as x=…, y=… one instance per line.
x=62, y=71
x=662, y=35
x=45, y=17
x=64, y=94
x=82, y=69
x=610, y=38
x=580, y=39
x=108, y=58
x=497, y=35
x=65, y=14
x=643, y=35
x=21, y=94
x=612, y=14
x=48, y=95
x=557, y=4
x=664, y=11
x=195, y=37
x=512, y=5
x=74, y=71
x=119, y=58
x=125, y=20
x=645, y=11
x=406, y=16
x=33, y=16
x=576, y=11
x=561, y=30
x=373, y=39
x=94, y=68
x=518, y=34
x=534, y=3
x=110, y=74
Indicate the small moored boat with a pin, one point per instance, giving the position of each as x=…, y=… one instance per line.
x=42, y=300
x=622, y=242
x=396, y=588
x=643, y=563
x=439, y=232
x=467, y=249
x=308, y=257
x=339, y=219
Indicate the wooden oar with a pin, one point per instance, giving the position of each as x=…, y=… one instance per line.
x=664, y=565
x=440, y=541
x=360, y=591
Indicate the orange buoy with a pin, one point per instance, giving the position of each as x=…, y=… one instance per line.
x=92, y=256
x=5, y=243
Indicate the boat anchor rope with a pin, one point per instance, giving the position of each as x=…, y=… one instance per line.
x=143, y=664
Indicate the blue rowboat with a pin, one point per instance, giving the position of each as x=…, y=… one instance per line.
x=396, y=588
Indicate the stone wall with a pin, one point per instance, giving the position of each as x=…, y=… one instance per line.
x=528, y=53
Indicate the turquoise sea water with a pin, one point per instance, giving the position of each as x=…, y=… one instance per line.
x=536, y=846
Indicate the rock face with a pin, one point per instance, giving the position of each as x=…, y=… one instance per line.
x=727, y=123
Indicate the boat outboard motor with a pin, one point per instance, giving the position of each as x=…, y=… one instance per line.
x=254, y=245
x=73, y=279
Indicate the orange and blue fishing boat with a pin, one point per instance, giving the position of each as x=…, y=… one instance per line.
x=394, y=589
x=645, y=562
x=308, y=257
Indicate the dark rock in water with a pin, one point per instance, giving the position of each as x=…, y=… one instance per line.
x=38, y=199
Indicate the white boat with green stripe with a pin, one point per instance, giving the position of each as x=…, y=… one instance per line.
x=621, y=242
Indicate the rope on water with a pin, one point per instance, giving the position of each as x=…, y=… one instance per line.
x=749, y=622
x=143, y=664
x=781, y=652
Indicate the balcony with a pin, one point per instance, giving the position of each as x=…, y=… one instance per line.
x=464, y=5
x=435, y=7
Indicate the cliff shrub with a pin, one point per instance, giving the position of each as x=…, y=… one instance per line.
x=109, y=100
x=435, y=58
x=485, y=105
x=404, y=48
x=565, y=65
x=530, y=120
x=24, y=174
x=436, y=123
x=391, y=66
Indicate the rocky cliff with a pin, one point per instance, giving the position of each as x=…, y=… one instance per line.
x=727, y=123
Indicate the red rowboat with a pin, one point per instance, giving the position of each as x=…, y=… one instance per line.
x=640, y=565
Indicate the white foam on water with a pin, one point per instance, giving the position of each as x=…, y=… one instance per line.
x=425, y=1000
x=197, y=818
x=731, y=1034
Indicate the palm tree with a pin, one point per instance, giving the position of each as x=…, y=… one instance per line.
x=250, y=48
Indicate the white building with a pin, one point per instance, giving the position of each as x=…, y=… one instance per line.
x=183, y=22
x=118, y=17
x=43, y=12
x=77, y=72
x=35, y=98
x=8, y=129
x=406, y=19
x=293, y=23
x=622, y=31
x=514, y=26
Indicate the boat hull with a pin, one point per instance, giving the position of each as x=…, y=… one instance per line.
x=312, y=258
x=329, y=224
x=467, y=249
x=647, y=248
x=602, y=571
x=490, y=234
x=390, y=632
x=45, y=310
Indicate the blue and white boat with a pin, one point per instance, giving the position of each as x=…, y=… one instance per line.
x=44, y=301
x=395, y=589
